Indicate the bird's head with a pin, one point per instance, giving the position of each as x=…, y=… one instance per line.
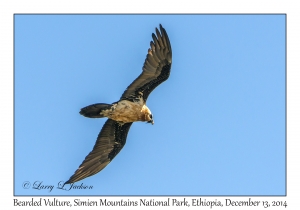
x=146, y=115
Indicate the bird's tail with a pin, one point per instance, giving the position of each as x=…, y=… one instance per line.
x=95, y=110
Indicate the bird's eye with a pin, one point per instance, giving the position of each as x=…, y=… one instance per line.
x=151, y=116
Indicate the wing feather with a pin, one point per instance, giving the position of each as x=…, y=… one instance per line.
x=156, y=69
x=110, y=141
x=153, y=63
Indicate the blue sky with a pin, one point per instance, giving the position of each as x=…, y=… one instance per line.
x=219, y=118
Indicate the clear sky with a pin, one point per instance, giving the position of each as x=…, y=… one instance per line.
x=219, y=118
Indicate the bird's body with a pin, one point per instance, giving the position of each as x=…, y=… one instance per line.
x=123, y=111
x=126, y=111
x=130, y=108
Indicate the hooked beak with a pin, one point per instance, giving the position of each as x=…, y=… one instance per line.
x=151, y=121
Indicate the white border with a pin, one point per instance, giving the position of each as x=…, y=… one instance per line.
x=8, y=8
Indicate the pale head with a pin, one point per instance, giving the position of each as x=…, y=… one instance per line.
x=147, y=115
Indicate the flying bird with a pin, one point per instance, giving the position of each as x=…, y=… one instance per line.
x=130, y=108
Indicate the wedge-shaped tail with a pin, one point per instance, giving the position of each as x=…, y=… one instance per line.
x=94, y=110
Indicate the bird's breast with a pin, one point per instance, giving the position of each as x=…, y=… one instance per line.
x=127, y=111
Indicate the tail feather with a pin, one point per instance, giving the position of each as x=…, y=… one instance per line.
x=94, y=110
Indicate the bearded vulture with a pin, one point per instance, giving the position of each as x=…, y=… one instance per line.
x=130, y=108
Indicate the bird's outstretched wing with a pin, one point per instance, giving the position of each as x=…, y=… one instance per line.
x=156, y=69
x=110, y=141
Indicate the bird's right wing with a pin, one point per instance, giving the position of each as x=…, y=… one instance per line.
x=156, y=69
x=110, y=141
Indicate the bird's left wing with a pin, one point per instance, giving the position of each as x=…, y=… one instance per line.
x=156, y=69
x=110, y=141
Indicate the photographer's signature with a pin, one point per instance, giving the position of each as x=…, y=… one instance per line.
x=39, y=185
